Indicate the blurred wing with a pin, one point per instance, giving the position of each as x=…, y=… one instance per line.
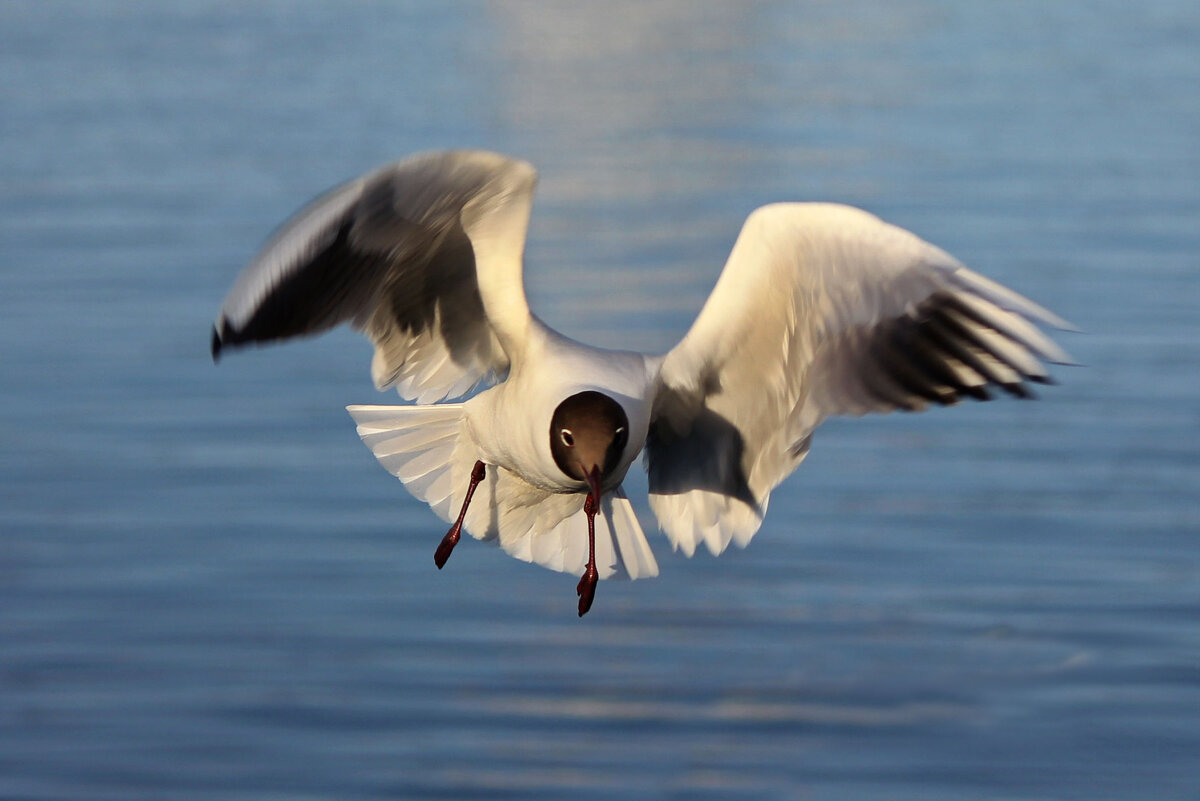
x=821, y=310
x=423, y=256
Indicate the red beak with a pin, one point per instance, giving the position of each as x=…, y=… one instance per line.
x=593, y=481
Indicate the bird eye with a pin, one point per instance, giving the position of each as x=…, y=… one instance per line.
x=568, y=438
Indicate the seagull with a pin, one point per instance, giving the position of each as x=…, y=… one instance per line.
x=521, y=436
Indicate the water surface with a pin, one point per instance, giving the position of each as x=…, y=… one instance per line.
x=208, y=588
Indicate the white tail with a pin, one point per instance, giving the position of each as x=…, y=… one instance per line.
x=424, y=447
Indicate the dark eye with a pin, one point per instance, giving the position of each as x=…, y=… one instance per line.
x=568, y=438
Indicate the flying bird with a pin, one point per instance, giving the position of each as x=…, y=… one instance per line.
x=821, y=310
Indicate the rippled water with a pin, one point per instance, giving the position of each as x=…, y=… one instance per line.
x=208, y=589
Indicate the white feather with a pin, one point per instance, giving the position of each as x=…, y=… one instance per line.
x=429, y=449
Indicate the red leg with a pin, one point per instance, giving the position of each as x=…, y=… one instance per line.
x=451, y=538
x=586, y=589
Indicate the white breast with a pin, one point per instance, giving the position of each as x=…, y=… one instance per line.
x=511, y=422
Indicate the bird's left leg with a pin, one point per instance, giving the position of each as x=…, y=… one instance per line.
x=586, y=589
x=451, y=538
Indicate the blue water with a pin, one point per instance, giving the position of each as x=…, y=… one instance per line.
x=209, y=589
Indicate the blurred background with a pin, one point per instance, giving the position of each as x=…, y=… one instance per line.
x=210, y=590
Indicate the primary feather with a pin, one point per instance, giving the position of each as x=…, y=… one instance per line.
x=405, y=254
x=821, y=310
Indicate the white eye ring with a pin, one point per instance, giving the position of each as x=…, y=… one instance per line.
x=567, y=437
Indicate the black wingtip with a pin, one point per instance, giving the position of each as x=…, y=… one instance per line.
x=979, y=393
x=216, y=345
x=1019, y=390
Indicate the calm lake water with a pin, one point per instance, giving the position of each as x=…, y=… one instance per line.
x=209, y=589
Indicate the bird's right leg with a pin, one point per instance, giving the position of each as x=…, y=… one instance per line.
x=451, y=539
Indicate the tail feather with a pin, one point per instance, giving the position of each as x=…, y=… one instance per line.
x=634, y=550
x=552, y=531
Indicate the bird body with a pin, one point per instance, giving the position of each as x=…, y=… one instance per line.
x=527, y=504
x=821, y=310
x=510, y=421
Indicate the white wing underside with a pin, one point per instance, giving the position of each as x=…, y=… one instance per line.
x=425, y=447
x=821, y=310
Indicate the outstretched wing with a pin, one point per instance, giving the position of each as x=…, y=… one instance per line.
x=424, y=256
x=821, y=310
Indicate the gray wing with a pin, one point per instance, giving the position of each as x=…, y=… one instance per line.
x=821, y=310
x=399, y=254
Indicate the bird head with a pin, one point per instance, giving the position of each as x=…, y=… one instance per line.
x=588, y=435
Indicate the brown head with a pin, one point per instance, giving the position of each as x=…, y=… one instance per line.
x=588, y=434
